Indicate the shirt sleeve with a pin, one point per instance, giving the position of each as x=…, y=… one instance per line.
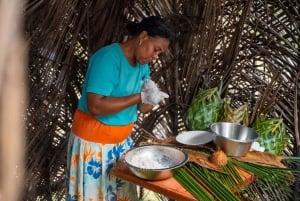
x=102, y=74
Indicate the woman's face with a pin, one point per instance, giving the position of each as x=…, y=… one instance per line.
x=150, y=47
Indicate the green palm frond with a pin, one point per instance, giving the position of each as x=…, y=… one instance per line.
x=204, y=110
x=272, y=132
x=207, y=184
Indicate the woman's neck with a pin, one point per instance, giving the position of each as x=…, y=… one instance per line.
x=129, y=51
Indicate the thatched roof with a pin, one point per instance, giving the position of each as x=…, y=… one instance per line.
x=251, y=47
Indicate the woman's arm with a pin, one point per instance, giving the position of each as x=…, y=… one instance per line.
x=103, y=105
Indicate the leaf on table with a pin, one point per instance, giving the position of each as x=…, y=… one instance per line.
x=202, y=159
x=262, y=158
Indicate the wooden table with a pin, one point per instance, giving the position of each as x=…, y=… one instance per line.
x=168, y=187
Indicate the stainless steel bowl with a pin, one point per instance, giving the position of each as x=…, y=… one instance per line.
x=234, y=139
x=155, y=162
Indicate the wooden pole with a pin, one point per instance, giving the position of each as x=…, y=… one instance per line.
x=13, y=100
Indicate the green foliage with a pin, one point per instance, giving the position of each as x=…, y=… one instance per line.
x=273, y=135
x=204, y=110
x=205, y=184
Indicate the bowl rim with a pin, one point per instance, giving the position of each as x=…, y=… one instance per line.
x=234, y=140
x=182, y=137
x=183, y=162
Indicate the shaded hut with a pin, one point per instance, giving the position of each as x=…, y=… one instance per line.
x=249, y=48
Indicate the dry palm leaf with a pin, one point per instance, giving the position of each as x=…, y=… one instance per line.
x=262, y=158
x=202, y=159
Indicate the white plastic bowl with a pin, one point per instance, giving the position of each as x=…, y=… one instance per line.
x=195, y=137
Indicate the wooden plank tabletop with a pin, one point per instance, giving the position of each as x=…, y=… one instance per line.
x=168, y=187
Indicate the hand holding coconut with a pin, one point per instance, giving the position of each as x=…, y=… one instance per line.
x=151, y=94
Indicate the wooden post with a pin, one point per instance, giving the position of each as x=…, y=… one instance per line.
x=13, y=99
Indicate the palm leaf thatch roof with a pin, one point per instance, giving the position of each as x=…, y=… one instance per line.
x=250, y=48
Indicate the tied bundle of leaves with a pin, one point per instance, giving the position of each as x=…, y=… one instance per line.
x=204, y=110
x=272, y=132
x=239, y=115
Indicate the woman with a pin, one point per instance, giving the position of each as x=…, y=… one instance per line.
x=117, y=85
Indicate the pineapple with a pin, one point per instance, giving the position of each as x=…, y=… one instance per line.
x=205, y=109
x=272, y=132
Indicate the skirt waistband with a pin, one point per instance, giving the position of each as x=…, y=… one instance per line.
x=87, y=127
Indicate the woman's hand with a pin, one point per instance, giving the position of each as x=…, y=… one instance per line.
x=151, y=94
x=144, y=108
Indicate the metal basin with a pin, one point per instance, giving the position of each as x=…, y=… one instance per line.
x=234, y=139
x=155, y=162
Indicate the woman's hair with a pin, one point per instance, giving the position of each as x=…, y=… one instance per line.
x=155, y=26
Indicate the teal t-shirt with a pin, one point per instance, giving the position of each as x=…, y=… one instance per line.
x=110, y=74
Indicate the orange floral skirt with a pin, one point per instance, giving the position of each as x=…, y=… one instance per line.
x=90, y=159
